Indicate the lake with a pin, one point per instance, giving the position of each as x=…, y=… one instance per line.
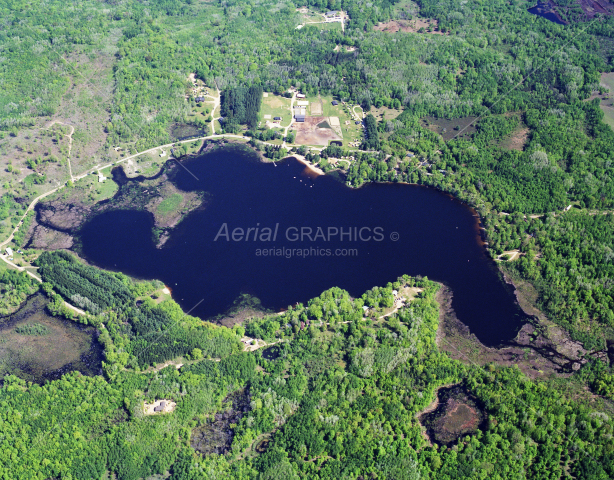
x=388, y=230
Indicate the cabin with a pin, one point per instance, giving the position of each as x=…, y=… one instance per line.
x=276, y=118
x=357, y=122
x=300, y=95
x=335, y=103
x=199, y=99
x=9, y=251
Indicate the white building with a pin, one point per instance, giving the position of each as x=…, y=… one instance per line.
x=9, y=251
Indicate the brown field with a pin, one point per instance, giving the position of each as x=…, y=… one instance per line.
x=309, y=133
x=413, y=26
x=448, y=129
x=517, y=140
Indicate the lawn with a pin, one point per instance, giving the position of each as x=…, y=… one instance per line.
x=275, y=106
x=325, y=26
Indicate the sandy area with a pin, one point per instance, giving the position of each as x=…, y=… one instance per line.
x=166, y=290
x=148, y=408
x=310, y=166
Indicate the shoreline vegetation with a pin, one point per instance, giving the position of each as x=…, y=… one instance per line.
x=508, y=113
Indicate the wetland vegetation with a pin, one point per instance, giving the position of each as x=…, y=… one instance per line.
x=39, y=347
x=341, y=393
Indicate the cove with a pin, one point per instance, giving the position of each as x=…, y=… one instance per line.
x=425, y=232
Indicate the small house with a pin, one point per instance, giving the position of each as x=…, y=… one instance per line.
x=300, y=95
x=276, y=118
x=9, y=251
x=357, y=122
x=300, y=118
x=100, y=177
x=335, y=103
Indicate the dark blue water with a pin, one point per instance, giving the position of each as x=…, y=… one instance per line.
x=543, y=10
x=438, y=238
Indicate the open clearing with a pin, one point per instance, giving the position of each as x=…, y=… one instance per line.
x=310, y=133
x=275, y=106
x=517, y=140
x=316, y=108
x=165, y=406
x=607, y=100
x=393, y=26
x=448, y=129
x=385, y=113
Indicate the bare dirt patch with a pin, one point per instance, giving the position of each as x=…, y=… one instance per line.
x=517, y=140
x=159, y=407
x=415, y=26
x=308, y=133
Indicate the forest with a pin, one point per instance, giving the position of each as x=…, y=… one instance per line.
x=338, y=397
x=338, y=391
x=240, y=106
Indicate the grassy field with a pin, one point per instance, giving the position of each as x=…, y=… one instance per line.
x=275, y=106
x=352, y=132
x=607, y=80
x=170, y=204
x=326, y=26
x=385, y=113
